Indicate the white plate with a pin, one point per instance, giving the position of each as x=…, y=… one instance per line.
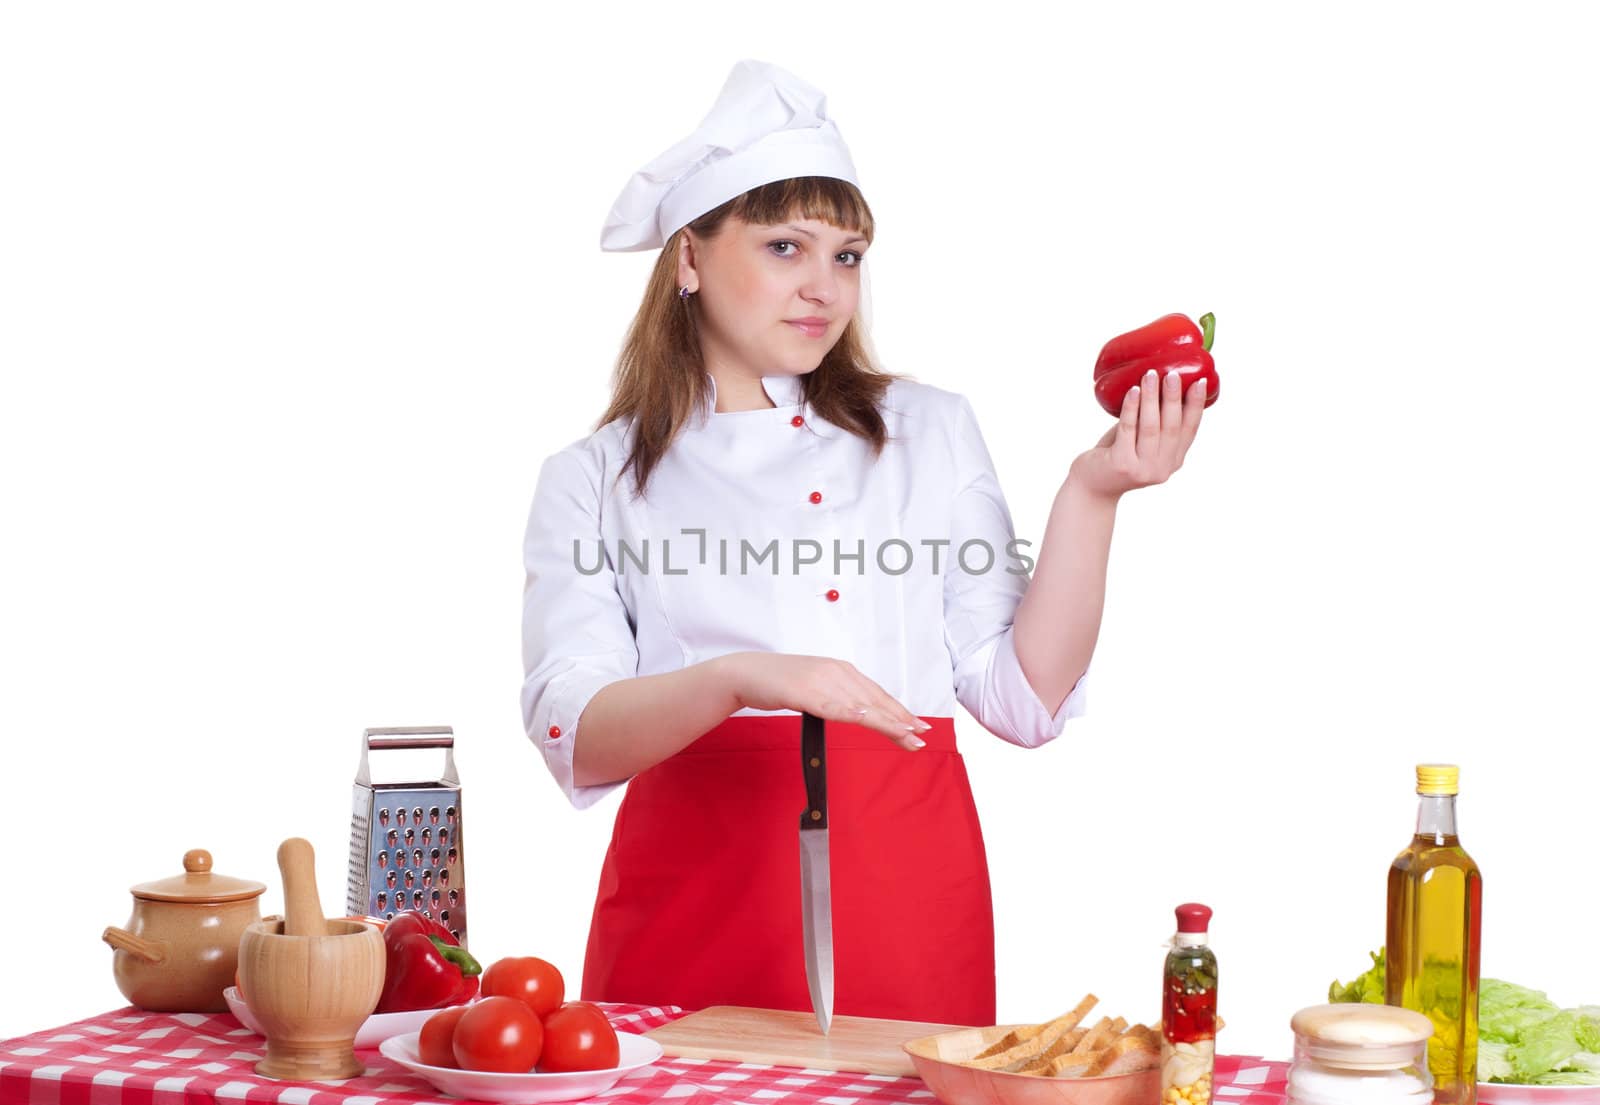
x=374, y=1030
x=633, y=1052
x=1509, y=1093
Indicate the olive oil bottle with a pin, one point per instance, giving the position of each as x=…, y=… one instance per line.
x=1434, y=936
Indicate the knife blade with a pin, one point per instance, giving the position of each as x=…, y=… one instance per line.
x=816, y=896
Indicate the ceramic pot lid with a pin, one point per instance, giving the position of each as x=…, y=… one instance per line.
x=198, y=884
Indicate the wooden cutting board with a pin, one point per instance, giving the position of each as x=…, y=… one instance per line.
x=777, y=1037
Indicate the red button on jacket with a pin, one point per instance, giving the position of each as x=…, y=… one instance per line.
x=555, y=732
x=797, y=421
x=816, y=496
x=833, y=596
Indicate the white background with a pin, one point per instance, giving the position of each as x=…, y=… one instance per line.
x=296, y=297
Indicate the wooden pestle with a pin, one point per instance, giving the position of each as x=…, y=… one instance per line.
x=302, y=909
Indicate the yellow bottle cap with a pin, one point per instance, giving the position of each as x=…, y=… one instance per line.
x=1438, y=779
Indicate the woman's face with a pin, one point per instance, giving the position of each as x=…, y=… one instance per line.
x=772, y=299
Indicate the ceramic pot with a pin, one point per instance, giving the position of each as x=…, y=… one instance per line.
x=180, y=948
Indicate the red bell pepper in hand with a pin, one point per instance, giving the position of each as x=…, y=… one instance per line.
x=424, y=968
x=1169, y=344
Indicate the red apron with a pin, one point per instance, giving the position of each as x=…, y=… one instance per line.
x=699, y=898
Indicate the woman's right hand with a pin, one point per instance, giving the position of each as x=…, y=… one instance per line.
x=833, y=690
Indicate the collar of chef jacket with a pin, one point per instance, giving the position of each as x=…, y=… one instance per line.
x=784, y=391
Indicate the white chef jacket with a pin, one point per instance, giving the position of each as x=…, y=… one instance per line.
x=791, y=548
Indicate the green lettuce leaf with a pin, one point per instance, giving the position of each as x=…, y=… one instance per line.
x=1545, y=1046
x=1367, y=987
x=1493, y=1063
x=1505, y=1009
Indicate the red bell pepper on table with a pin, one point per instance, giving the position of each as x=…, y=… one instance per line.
x=425, y=967
x=1169, y=344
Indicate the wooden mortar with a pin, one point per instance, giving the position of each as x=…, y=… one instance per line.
x=310, y=981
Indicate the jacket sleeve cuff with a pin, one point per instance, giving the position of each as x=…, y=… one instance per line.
x=553, y=727
x=1029, y=722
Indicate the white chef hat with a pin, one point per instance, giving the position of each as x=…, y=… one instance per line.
x=766, y=125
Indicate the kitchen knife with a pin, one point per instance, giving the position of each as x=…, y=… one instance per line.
x=816, y=898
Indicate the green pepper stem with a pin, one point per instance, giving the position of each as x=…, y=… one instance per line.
x=1208, y=330
x=458, y=955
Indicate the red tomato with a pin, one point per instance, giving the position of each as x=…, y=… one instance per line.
x=578, y=1037
x=434, y=1043
x=498, y=1034
x=528, y=979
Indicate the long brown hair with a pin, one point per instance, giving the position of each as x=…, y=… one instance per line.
x=660, y=378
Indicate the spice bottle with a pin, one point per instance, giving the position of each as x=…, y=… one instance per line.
x=1189, y=1011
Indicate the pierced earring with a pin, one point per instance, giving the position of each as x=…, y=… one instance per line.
x=683, y=292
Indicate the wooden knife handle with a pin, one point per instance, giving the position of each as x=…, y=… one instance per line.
x=814, y=762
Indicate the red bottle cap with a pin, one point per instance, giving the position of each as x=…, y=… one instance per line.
x=1193, y=917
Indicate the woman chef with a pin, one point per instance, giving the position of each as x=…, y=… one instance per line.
x=762, y=525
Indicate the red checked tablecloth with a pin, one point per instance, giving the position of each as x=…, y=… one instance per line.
x=134, y=1058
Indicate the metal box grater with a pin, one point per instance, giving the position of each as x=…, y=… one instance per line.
x=405, y=838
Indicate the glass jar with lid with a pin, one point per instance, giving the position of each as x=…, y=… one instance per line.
x=1360, y=1054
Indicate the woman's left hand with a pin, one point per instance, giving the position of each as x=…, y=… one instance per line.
x=1148, y=442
